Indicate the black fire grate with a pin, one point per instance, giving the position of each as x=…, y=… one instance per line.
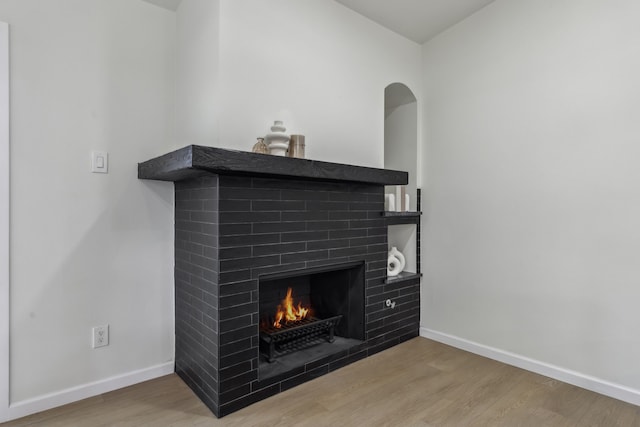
x=296, y=334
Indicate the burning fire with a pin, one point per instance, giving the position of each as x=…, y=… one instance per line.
x=287, y=312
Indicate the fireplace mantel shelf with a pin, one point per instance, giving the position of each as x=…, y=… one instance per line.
x=196, y=160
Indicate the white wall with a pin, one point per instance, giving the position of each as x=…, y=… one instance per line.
x=197, y=98
x=88, y=249
x=4, y=221
x=318, y=66
x=532, y=228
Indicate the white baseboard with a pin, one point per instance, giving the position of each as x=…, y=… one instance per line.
x=63, y=397
x=588, y=382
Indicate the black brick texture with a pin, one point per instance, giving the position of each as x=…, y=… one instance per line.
x=196, y=287
x=232, y=229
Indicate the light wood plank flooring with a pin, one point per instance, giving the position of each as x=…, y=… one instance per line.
x=418, y=383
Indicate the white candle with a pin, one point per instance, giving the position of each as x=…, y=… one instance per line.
x=390, y=202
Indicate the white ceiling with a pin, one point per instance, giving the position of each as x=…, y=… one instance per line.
x=417, y=20
x=167, y=4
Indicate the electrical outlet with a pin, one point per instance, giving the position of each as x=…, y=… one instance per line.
x=100, y=336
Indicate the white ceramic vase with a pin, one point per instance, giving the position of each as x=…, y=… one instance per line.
x=394, y=252
x=393, y=266
x=278, y=139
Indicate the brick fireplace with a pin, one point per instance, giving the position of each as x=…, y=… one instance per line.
x=246, y=222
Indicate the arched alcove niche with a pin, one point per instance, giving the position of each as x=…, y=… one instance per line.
x=401, y=133
x=401, y=153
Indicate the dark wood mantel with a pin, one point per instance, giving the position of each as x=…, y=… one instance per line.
x=196, y=160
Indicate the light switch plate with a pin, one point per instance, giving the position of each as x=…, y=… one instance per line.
x=99, y=162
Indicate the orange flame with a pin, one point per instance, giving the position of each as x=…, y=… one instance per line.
x=288, y=312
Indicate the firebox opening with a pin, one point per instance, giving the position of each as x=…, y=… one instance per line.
x=334, y=296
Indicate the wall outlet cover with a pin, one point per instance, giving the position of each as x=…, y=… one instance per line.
x=100, y=337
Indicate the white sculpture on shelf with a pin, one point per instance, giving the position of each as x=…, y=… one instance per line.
x=277, y=140
x=395, y=262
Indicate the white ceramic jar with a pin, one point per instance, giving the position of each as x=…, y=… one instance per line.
x=278, y=139
x=393, y=266
x=394, y=252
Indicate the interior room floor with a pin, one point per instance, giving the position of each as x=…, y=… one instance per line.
x=417, y=383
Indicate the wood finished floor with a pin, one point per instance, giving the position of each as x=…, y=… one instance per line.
x=418, y=383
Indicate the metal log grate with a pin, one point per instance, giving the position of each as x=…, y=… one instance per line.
x=297, y=334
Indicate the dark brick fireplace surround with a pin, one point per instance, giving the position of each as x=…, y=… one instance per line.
x=240, y=216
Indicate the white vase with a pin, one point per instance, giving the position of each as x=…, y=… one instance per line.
x=277, y=140
x=394, y=252
x=393, y=266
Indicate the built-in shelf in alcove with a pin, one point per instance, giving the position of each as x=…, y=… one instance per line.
x=404, y=276
x=401, y=152
x=401, y=217
x=403, y=231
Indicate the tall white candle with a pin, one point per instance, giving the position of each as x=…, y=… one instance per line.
x=390, y=200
